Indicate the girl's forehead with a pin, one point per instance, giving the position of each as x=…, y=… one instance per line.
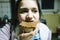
x=28, y=3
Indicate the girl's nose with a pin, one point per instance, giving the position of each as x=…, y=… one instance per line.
x=29, y=15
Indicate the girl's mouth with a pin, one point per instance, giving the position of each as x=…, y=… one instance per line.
x=28, y=20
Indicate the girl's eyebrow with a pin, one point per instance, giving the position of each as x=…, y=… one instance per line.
x=34, y=8
x=23, y=9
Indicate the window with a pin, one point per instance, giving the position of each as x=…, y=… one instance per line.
x=48, y=5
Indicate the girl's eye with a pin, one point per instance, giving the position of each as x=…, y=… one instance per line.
x=34, y=10
x=23, y=10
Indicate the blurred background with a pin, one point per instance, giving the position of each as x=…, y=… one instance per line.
x=50, y=14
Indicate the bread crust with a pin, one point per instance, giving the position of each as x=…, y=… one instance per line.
x=26, y=27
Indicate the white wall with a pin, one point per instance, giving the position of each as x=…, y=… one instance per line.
x=0, y=10
x=59, y=5
x=5, y=8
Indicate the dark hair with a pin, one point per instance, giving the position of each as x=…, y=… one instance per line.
x=18, y=4
x=38, y=4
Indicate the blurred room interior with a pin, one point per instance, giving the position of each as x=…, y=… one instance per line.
x=50, y=14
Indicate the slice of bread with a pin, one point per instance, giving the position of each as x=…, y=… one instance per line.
x=27, y=26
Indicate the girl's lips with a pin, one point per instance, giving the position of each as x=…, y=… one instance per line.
x=28, y=21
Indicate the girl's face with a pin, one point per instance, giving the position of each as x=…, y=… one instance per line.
x=28, y=11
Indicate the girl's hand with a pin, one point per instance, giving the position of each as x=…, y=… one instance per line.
x=30, y=34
